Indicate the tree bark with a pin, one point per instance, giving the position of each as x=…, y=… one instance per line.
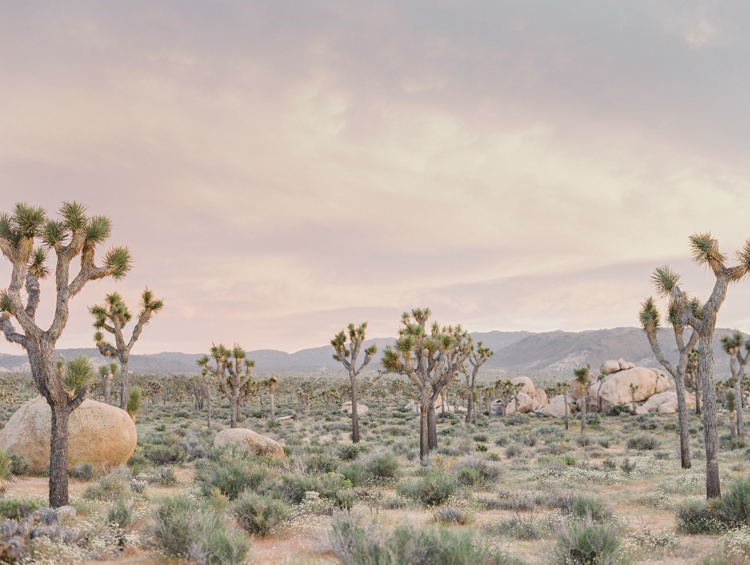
x=124, y=361
x=432, y=427
x=710, y=431
x=58, y=460
x=355, y=415
x=738, y=406
x=469, y=406
x=108, y=389
x=682, y=418
x=208, y=407
x=424, y=432
x=273, y=416
x=584, y=395
x=565, y=399
x=233, y=409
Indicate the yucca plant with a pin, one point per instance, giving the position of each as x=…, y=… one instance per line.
x=229, y=375
x=74, y=235
x=135, y=399
x=705, y=251
x=112, y=317
x=733, y=345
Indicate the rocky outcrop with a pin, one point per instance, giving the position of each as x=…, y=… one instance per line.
x=527, y=385
x=665, y=403
x=250, y=441
x=541, y=396
x=616, y=387
x=413, y=405
x=526, y=404
x=556, y=407
x=97, y=433
x=347, y=407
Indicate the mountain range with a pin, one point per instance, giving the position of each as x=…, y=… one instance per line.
x=548, y=353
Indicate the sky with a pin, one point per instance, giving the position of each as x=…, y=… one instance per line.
x=281, y=169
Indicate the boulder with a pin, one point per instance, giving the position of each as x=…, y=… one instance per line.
x=665, y=403
x=610, y=366
x=616, y=387
x=556, y=407
x=541, y=396
x=251, y=441
x=525, y=405
x=347, y=407
x=414, y=405
x=629, y=366
x=97, y=433
x=528, y=386
x=622, y=363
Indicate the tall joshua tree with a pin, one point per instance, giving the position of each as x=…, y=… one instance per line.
x=584, y=381
x=706, y=252
x=692, y=382
x=732, y=344
x=347, y=356
x=270, y=384
x=106, y=372
x=430, y=359
x=73, y=235
x=650, y=319
x=229, y=375
x=112, y=317
x=478, y=357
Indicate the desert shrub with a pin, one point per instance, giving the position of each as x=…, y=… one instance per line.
x=517, y=527
x=467, y=476
x=585, y=542
x=512, y=451
x=452, y=515
x=5, y=464
x=183, y=529
x=109, y=488
x=484, y=471
x=83, y=471
x=517, y=420
x=383, y=466
x=120, y=513
x=167, y=477
x=292, y=488
x=670, y=427
x=699, y=517
x=619, y=409
x=232, y=479
x=343, y=499
x=321, y=463
x=529, y=439
x=18, y=465
x=16, y=508
x=627, y=467
x=258, y=514
x=604, y=442
x=735, y=502
x=501, y=441
x=482, y=448
x=355, y=473
x=348, y=452
x=330, y=484
x=482, y=438
x=160, y=454
x=643, y=443
x=432, y=489
x=586, y=506
x=355, y=544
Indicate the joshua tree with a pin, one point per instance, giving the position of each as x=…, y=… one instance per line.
x=271, y=383
x=564, y=387
x=506, y=391
x=650, y=318
x=633, y=388
x=106, y=372
x=135, y=398
x=343, y=355
x=112, y=317
x=731, y=406
x=601, y=377
x=479, y=357
x=692, y=382
x=489, y=392
x=732, y=344
x=228, y=373
x=584, y=380
x=73, y=235
x=706, y=252
x=397, y=388
x=430, y=360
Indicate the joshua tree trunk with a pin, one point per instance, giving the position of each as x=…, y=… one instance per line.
x=208, y=407
x=124, y=360
x=58, y=461
x=583, y=410
x=469, y=406
x=738, y=406
x=698, y=397
x=424, y=433
x=565, y=400
x=234, y=409
x=431, y=426
x=355, y=415
x=108, y=389
x=710, y=431
x=273, y=415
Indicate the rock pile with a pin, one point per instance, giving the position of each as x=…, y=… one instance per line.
x=249, y=441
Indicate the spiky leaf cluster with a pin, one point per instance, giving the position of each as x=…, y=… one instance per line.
x=78, y=373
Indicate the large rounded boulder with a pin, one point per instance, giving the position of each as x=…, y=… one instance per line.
x=616, y=387
x=97, y=433
x=249, y=441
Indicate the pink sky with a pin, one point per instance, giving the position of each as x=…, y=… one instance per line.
x=281, y=169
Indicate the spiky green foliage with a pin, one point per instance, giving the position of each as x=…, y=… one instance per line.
x=582, y=376
x=696, y=307
x=148, y=302
x=732, y=343
x=649, y=316
x=78, y=373
x=665, y=279
x=135, y=399
x=705, y=250
x=4, y=302
x=36, y=265
x=54, y=234
x=98, y=230
x=118, y=259
x=74, y=216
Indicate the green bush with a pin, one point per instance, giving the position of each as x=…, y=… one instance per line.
x=348, y=452
x=16, y=508
x=259, y=514
x=231, y=479
x=383, y=466
x=183, y=529
x=355, y=544
x=735, y=502
x=83, y=471
x=160, y=454
x=643, y=443
x=432, y=489
x=484, y=471
x=109, y=488
x=355, y=473
x=699, y=517
x=451, y=515
x=292, y=488
x=586, y=506
x=619, y=409
x=120, y=513
x=5, y=464
x=586, y=542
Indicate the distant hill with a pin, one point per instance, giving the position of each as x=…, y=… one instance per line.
x=517, y=352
